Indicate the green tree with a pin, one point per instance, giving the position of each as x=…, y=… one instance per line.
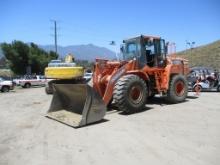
x=17, y=54
x=3, y=63
x=21, y=56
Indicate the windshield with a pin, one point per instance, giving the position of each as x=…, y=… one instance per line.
x=131, y=50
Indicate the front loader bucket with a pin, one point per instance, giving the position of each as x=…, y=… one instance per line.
x=76, y=105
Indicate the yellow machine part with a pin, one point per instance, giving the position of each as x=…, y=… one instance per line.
x=64, y=72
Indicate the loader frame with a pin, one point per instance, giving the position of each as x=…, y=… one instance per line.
x=145, y=70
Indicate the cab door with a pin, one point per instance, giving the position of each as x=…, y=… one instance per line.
x=160, y=52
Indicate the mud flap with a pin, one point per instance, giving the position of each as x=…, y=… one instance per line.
x=76, y=105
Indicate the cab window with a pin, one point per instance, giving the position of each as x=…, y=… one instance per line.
x=131, y=50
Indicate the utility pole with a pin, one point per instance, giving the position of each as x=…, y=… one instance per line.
x=55, y=34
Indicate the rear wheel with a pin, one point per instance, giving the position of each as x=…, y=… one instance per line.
x=197, y=88
x=5, y=89
x=130, y=93
x=27, y=85
x=178, y=89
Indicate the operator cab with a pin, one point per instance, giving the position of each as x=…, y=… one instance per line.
x=147, y=50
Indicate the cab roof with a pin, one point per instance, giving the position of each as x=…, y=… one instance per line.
x=146, y=37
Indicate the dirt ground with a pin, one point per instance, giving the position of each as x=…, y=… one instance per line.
x=186, y=133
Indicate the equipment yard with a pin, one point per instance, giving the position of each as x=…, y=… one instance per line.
x=184, y=133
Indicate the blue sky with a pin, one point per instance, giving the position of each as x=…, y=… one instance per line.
x=100, y=21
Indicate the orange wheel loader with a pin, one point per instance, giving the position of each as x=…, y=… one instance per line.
x=145, y=70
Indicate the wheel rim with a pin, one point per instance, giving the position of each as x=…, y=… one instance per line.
x=198, y=88
x=136, y=94
x=179, y=88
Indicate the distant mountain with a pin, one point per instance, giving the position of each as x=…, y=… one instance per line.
x=205, y=56
x=82, y=52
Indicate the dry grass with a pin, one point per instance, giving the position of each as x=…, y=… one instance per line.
x=207, y=55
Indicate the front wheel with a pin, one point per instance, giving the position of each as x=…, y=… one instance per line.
x=178, y=89
x=5, y=89
x=130, y=93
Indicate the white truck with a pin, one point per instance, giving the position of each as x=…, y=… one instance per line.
x=6, y=85
x=33, y=81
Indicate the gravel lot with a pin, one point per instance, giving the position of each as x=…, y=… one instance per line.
x=186, y=133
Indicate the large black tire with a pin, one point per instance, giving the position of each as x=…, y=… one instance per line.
x=178, y=89
x=5, y=89
x=130, y=93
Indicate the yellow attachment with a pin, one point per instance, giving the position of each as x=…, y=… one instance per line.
x=69, y=58
x=64, y=72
